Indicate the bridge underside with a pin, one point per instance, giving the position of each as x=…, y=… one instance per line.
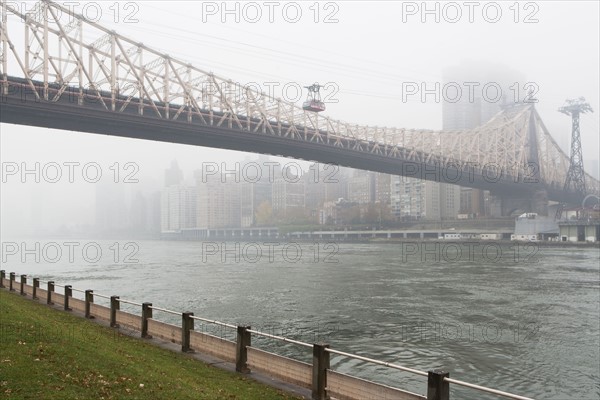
x=66, y=115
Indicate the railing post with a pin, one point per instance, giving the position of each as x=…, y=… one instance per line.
x=2, y=276
x=36, y=285
x=146, y=313
x=68, y=293
x=115, y=305
x=49, y=292
x=89, y=299
x=320, y=367
x=244, y=340
x=11, y=279
x=23, y=282
x=437, y=387
x=187, y=325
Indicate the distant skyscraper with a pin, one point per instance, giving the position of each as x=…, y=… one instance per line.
x=315, y=186
x=472, y=201
x=449, y=200
x=414, y=199
x=336, y=183
x=178, y=208
x=383, y=186
x=111, y=209
x=189, y=206
x=177, y=202
x=218, y=203
x=315, y=192
x=287, y=193
x=173, y=175
x=475, y=107
x=254, y=190
x=408, y=199
x=361, y=187
x=253, y=194
x=484, y=89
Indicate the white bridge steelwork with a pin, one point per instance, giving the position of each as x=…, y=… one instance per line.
x=63, y=71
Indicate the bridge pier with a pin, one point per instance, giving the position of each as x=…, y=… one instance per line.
x=524, y=203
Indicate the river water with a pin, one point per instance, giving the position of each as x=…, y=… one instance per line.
x=512, y=317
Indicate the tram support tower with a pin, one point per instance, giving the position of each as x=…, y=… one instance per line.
x=575, y=175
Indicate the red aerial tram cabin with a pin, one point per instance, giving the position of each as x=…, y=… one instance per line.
x=313, y=102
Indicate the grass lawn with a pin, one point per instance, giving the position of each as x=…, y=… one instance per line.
x=50, y=354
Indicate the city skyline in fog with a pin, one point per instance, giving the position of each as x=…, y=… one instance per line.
x=370, y=54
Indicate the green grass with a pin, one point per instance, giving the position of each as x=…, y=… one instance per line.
x=51, y=354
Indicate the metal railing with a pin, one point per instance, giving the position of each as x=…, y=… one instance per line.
x=486, y=389
x=133, y=303
x=385, y=364
x=438, y=381
x=164, y=310
x=215, y=322
x=283, y=339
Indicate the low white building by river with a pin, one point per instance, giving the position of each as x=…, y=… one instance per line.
x=532, y=227
x=580, y=231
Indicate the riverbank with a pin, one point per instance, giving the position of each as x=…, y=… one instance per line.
x=49, y=354
x=327, y=238
x=466, y=242
x=539, y=243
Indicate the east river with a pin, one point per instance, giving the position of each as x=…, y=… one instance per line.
x=517, y=318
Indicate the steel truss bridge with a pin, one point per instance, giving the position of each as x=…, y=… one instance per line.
x=60, y=70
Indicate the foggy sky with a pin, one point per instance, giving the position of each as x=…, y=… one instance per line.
x=369, y=53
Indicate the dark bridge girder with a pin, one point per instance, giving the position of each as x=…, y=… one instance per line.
x=68, y=115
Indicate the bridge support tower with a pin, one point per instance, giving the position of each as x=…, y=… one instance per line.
x=528, y=203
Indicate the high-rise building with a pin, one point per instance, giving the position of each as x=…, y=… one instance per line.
x=111, y=208
x=254, y=189
x=288, y=194
x=252, y=195
x=383, y=185
x=361, y=187
x=316, y=181
x=449, y=200
x=336, y=182
x=408, y=198
x=188, y=197
x=177, y=202
x=173, y=175
x=178, y=208
x=218, y=202
x=415, y=199
x=484, y=90
x=477, y=91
